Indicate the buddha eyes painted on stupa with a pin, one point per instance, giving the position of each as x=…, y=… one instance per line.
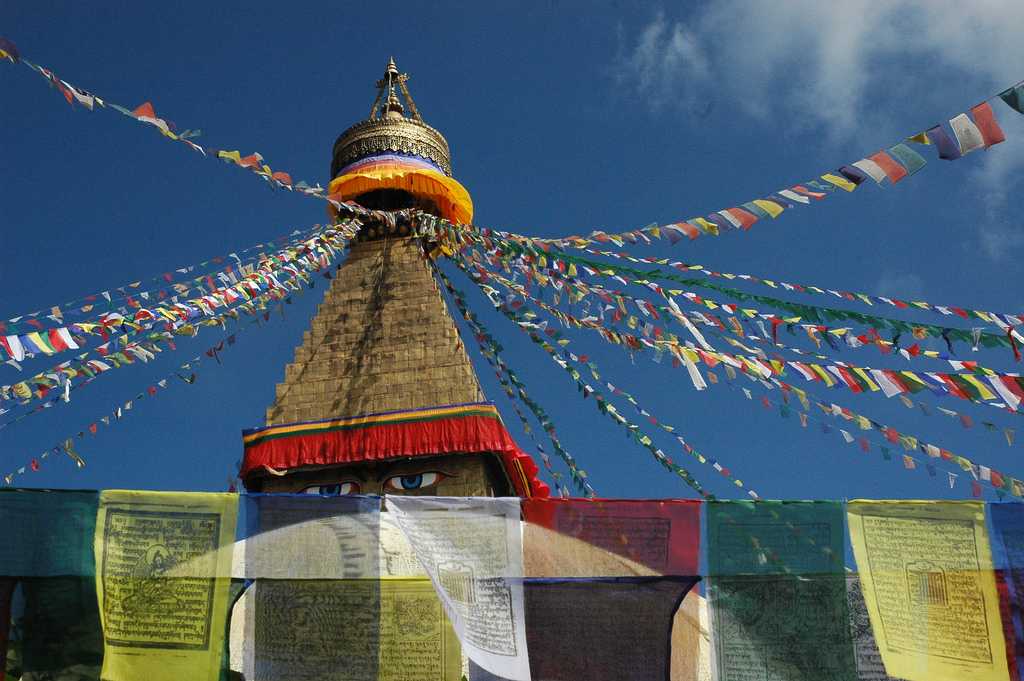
x=408, y=482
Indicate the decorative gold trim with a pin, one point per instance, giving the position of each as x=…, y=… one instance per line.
x=399, y=135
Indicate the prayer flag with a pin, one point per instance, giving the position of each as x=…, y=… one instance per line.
x=472, y=550
x=967, y=134
x=1007, y=523
x=610, y=538
x=1014, y=97
x=909, y=158
x=893, y=170
x=839, y=181
x=926, y=573
x=777, y=591
x=773, y=209
x=47, y=534
x=948, y=149
x=871, y=169
x=616, y=628
x=745, y=218
x=989, y=128
x=163, y=562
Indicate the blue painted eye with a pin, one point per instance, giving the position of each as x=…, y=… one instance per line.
x=406, y=483
x=333, y=490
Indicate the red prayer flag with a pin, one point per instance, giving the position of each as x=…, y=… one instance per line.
x=663, y=535
x=56, y=341
x=985, y=119
x=746, y=218
x=892, y=169
x=144, y=109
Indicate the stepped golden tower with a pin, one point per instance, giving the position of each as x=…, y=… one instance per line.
x=381, y=396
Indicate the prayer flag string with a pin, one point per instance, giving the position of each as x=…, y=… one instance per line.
x=891, y=164
x=181, y=319
x=170, y=284
x=603, y=405
x=579, y=476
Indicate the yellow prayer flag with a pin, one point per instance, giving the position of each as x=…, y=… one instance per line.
x=920, y=138
x=928, y=583
x=824, y=375
x=872, y=386
x=986, y=394
x=838, y=181
x=163, y=569
x=230, y=155
x=709, y=227
x=770, y=207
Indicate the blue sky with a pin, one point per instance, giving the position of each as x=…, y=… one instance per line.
x=562, y=117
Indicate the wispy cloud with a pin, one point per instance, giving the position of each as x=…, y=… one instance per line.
x=902, y=285
x=667, y=66
x=842, y=69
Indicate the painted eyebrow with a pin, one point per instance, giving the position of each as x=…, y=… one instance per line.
x=392, y=474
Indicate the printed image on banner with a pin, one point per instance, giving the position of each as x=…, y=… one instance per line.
x=472, y=549
x=777, y=591
x=344, y=630
x=926, y=572
x=865, y=649
x=163, y=573
x=652, y=537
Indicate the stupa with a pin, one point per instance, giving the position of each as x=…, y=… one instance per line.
x=381, y=396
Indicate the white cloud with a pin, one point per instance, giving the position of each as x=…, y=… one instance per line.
x=843, y=69
x=667, y=66
x=902, y=285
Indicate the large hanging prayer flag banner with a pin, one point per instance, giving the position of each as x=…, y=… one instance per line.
x=602, y=629
x=472, y=549
x=47, y=534
x=611, y=538
x=61, y=633
x=777, y=591
x=303, y=536
x=163, y=563
x=338, y=630
x=926, y=572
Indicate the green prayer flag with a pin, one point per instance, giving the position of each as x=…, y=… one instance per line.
x=1014, y=97
x=777, y=590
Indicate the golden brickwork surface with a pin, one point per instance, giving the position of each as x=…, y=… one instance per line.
x=382, y=340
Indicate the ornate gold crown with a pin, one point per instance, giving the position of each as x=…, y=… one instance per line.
x=388, y=129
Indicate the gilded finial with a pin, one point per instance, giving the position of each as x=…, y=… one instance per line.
x=394, y=124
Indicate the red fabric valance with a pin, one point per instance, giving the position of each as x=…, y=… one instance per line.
x=457, y=429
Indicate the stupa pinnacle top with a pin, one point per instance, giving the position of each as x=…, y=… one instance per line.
x=391, y=127
x=394, y=161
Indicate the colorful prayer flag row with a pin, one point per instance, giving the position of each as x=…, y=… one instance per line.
x=146, y=113
x=577, y=288
x=94, y=303
x=503, y=249
x=236, y=284
x=979, y=130
x=910, y=444
x=181, y=319
x=523, y=323
x=1004, y=321
x=119, y=412
x=1000, y=481
x=1009, y=387
x=491, y=350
